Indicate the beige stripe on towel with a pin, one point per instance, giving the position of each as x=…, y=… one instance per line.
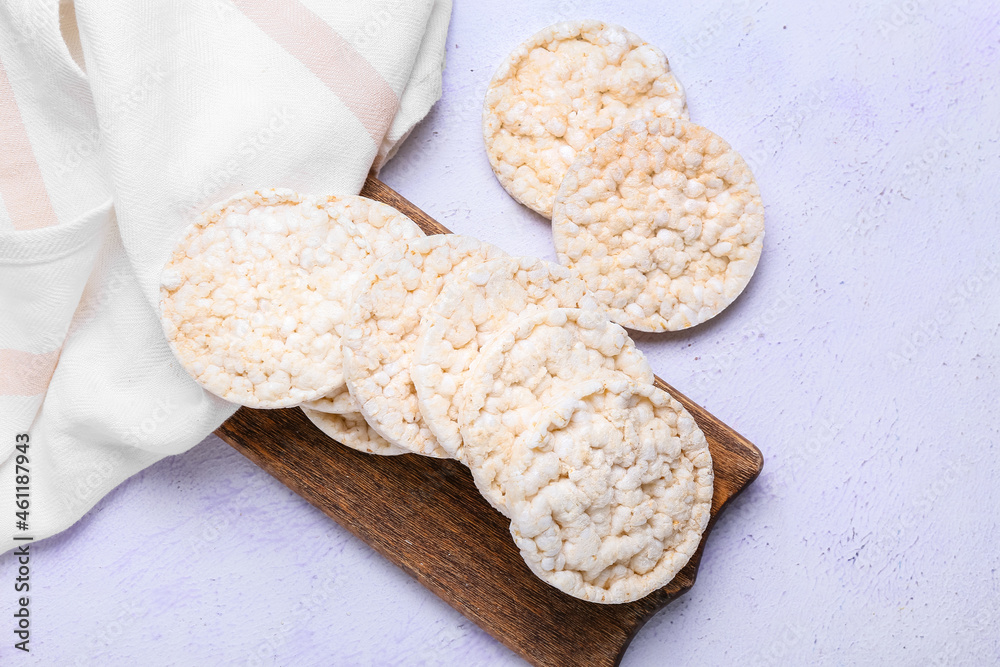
x=25, y=373
x=21, y=184
x=330, y=57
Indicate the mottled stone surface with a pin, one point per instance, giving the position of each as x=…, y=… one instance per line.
x=862, y=360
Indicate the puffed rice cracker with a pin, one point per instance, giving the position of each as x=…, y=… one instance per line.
x=255, y=295
x=352, y=430
x=382, y=226
x=466, y=315
x=337, y=402
x=611, y=492
x=560, y=90
x=381, y=334
x=664, y=221
x=524, y=369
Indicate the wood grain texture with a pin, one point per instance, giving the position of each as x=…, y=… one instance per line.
x=426, y=516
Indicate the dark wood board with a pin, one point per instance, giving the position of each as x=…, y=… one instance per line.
x=426, y=516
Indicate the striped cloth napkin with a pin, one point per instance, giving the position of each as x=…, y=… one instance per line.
x=113, y=135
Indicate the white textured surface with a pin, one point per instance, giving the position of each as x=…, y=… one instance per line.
x=862, y=359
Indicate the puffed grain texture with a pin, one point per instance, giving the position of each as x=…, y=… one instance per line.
x=611, y=493
x=381, y=335
x=560, y=90
x=254, y=298
x=382, y=226
x=466, y=315
x=664, y=221
x=352, y=430
x=337, y=402
x=526, y=368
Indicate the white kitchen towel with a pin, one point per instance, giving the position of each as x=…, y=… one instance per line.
x=183, y=103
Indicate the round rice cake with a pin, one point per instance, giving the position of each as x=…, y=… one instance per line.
x=352, y=430
x=466, y=315
x=381, y=335
x=664, y=221
x=560, y=90
x=382, y=226
x=611, y=491
x=255, y=295
x=337, y=402
x=526, y=368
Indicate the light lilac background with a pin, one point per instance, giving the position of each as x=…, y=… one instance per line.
x=862, y=360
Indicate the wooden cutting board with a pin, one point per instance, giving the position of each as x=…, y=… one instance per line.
x=426, y=516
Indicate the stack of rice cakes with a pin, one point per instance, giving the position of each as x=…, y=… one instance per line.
x=393, y=342
x=586, y=124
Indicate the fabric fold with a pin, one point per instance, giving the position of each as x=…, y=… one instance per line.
x=183, y=103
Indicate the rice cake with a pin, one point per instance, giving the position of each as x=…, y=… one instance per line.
x=664, y=221
x=352, y=430
x=382, y=226
x=611, y=492
x=381, y=335
x=337, y=402
x=560, y=90
x=254, y=297
x=523, y=370
x=466, y=315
